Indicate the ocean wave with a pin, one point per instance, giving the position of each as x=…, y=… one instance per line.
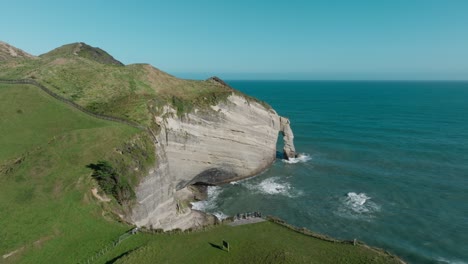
x=446, y=261
x=272, y=186
x=301, y=158
x=210, y=202
x=357, y=205
x=220, y=215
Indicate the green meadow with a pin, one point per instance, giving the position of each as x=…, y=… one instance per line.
x=47, y=211
x=265, y=242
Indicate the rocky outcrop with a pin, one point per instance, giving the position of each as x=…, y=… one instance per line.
x=218, y=81
x=288, y=138
x=233, y=140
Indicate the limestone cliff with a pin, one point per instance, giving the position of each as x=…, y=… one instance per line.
x=234, y=139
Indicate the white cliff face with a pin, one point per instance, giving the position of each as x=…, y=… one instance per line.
x=237, y=139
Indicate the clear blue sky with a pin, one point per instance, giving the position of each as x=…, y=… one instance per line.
x=329, y=39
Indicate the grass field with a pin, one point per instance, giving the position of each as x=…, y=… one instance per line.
x=264, y=242
x=46, y=208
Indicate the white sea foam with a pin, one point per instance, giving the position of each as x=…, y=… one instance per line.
x=357, y=205
x=210, y=202
x=220, y=215
x=234, y=183
x=446, y=261
x=357, y=201
x=272, y=186
x=301, y=158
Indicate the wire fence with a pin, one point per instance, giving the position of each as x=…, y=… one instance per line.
x=71, y=103
x=109, y=246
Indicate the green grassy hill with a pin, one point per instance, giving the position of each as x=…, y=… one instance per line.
x=95, y=80
x=85, y=51
x=46, y=206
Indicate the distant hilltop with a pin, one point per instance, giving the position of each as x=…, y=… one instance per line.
x=84, y=50
x=8, y=52
x=80, y=49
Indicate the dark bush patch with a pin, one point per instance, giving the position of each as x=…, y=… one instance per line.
x=111, y=182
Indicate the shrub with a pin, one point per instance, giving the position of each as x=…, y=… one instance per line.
x=111, y=182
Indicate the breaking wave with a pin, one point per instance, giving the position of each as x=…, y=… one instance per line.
x=210, y=204
x=446, y=261
x=220, y=215
x=273, y=186
x=301, y=158
x=355, y=205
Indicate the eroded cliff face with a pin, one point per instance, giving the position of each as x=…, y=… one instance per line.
x=233, y=140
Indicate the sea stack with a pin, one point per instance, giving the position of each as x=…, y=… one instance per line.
x=288, y=138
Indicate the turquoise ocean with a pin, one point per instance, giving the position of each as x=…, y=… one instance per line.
x=383, y=162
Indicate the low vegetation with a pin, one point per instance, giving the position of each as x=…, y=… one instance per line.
x=112, y=182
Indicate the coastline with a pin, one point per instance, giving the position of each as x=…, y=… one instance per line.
x=229, y=219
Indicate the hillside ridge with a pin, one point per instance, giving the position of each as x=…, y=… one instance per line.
x=71, y=103
x=83, y=50
x=8, y=52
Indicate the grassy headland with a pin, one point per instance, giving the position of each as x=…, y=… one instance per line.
x=48, y=213
x=95, y=80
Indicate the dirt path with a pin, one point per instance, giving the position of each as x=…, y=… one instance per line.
x=99, y=197
x=12, y=253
